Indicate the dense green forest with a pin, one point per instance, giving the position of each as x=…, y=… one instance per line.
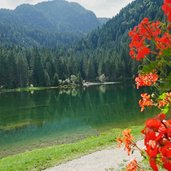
x=103, y=51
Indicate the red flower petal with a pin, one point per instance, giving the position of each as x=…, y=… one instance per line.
x=153, y=164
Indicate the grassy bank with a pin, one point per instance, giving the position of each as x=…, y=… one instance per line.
x=40, y=159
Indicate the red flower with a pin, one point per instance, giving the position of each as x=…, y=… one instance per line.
x=163, y=42
x=145, y=101
x=165, y=101
x=146, y=30
x=132, y=166
x=157, y=140
x=166, y=150
x=162, y=103
x=153, y=164
x=146, y=80
x=169, y=132
x=153, y=124
x=152, y=150
x=127, y=139
x=119, y=141
x=153, y=38
x=167, y=9
x=166, y=163
x=161, y=116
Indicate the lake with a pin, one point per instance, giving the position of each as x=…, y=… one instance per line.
x=30, y=120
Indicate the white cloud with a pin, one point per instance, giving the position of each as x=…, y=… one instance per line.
x=102, y=8
x=11, y=4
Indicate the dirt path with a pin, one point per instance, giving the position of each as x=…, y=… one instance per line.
x=112, y=159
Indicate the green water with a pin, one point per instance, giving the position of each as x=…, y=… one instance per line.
x=31, y=120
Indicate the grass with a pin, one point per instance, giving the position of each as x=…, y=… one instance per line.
x=41, y=159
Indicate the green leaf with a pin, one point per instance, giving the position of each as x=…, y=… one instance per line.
x=167, y=52
x=169, y=64
x=165, y=110
x=165, y=85
x=150, y=67
x=162, y=96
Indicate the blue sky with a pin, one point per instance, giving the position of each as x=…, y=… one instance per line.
x=102, y=8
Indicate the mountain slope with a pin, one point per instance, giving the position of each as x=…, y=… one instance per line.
x=47, y=23
x=114, y=30
x=107, y=47
x=104, y=52
x=57, y=15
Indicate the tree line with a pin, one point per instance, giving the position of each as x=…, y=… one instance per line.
x=102, y=52
x=20, y=67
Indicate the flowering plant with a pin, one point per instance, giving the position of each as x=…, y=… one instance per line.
x=151, y=45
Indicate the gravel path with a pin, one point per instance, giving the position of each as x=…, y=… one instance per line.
x=112, y=159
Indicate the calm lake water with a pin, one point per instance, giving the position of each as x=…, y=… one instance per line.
x=31, y=120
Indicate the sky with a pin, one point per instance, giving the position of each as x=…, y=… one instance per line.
x=102, y=8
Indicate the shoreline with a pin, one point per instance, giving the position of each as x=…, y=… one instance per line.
x=25, y=89
x=41, y=159
x=87, y=84
x=29, y=89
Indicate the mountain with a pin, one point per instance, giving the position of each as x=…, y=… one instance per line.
x=117, y=28
x=103, y=53
x=46, y=24
x=103, y=20
x=107, y=47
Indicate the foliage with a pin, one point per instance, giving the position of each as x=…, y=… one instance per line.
x=102, y=78
x=104, y=51
x=151, y=44
x=20, y=67
x=107, y=47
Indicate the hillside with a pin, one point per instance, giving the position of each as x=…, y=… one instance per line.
x=46, y=24
x=107, y=47
x=128, y=17
x=103, y=51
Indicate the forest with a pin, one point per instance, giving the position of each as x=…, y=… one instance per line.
x=102, y=51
